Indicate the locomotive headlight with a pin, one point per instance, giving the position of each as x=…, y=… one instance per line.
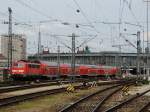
x=20, y=71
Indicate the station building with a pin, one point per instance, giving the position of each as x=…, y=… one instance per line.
x=124, y=60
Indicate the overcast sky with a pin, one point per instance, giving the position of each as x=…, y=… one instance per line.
x=91, y=18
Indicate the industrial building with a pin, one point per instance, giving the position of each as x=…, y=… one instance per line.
x=18, y=46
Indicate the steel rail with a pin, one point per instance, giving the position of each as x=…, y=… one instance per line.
x=126, y=101
x=16, y=83
x=26, y=86
x=49, y=83
x=20, y=98
x=69, y=107
x=143, y=109
x=120, y=83
x=29, y=86
x=96, y=109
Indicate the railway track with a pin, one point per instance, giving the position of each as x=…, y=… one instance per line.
x=99, y=106
x=43, y=84
x=28, y=86
x=5, y=101
x=90, y=102
x=17, y=83
x=132, y=104
x=145, y=108
x=19, y=98
x=23, y=86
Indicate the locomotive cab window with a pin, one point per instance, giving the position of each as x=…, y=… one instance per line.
x=19, y=65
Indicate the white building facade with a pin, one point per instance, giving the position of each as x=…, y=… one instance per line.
x=18, y=46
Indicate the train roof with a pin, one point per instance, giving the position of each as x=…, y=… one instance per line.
x=49, y=63
x=65, y=64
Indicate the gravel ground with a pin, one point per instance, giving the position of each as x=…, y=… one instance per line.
x=133, y=106
x=139, y=89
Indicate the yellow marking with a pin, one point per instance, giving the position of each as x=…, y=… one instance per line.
x=70, y=88
x=125, y=90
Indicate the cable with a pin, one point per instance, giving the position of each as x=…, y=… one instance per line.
x=120, y=16
x=85, y=16
x=130, y=8
x=33, y=9
x=6, y=15
x=39, y=12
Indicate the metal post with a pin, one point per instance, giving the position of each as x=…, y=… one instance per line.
x=147, y=71
x=39, y=45
x=147, y=56
x=73, y=54
x=58, y=60
x=120, y=58
x=138, y=53
x=9, y=54
x=147, y=28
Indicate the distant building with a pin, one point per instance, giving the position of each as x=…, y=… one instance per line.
x=18, y=46
x=3, y=61
x=98, y=58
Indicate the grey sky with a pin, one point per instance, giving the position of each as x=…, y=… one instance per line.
x=94, y=12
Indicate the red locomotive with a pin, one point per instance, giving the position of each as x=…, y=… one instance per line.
x=44, y=69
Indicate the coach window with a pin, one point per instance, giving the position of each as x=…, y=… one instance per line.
x=34, y=66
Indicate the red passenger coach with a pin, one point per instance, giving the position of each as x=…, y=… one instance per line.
x=83, y=70
x=114, y=71
x=51, y=69
x=101, y=71
x=65, y=69
x=93, y=70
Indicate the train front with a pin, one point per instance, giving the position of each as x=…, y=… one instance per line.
x=18, y=70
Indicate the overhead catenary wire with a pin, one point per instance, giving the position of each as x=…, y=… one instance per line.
x=6, y=15
x=130, y=9
x=80, y=10
x=85, y=16
x=23, y=23
x=41, y=13
x=57, y=37
x=33, y=9
x=120, y=16
x=121, y=13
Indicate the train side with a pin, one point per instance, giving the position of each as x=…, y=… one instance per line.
x=43, y=69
